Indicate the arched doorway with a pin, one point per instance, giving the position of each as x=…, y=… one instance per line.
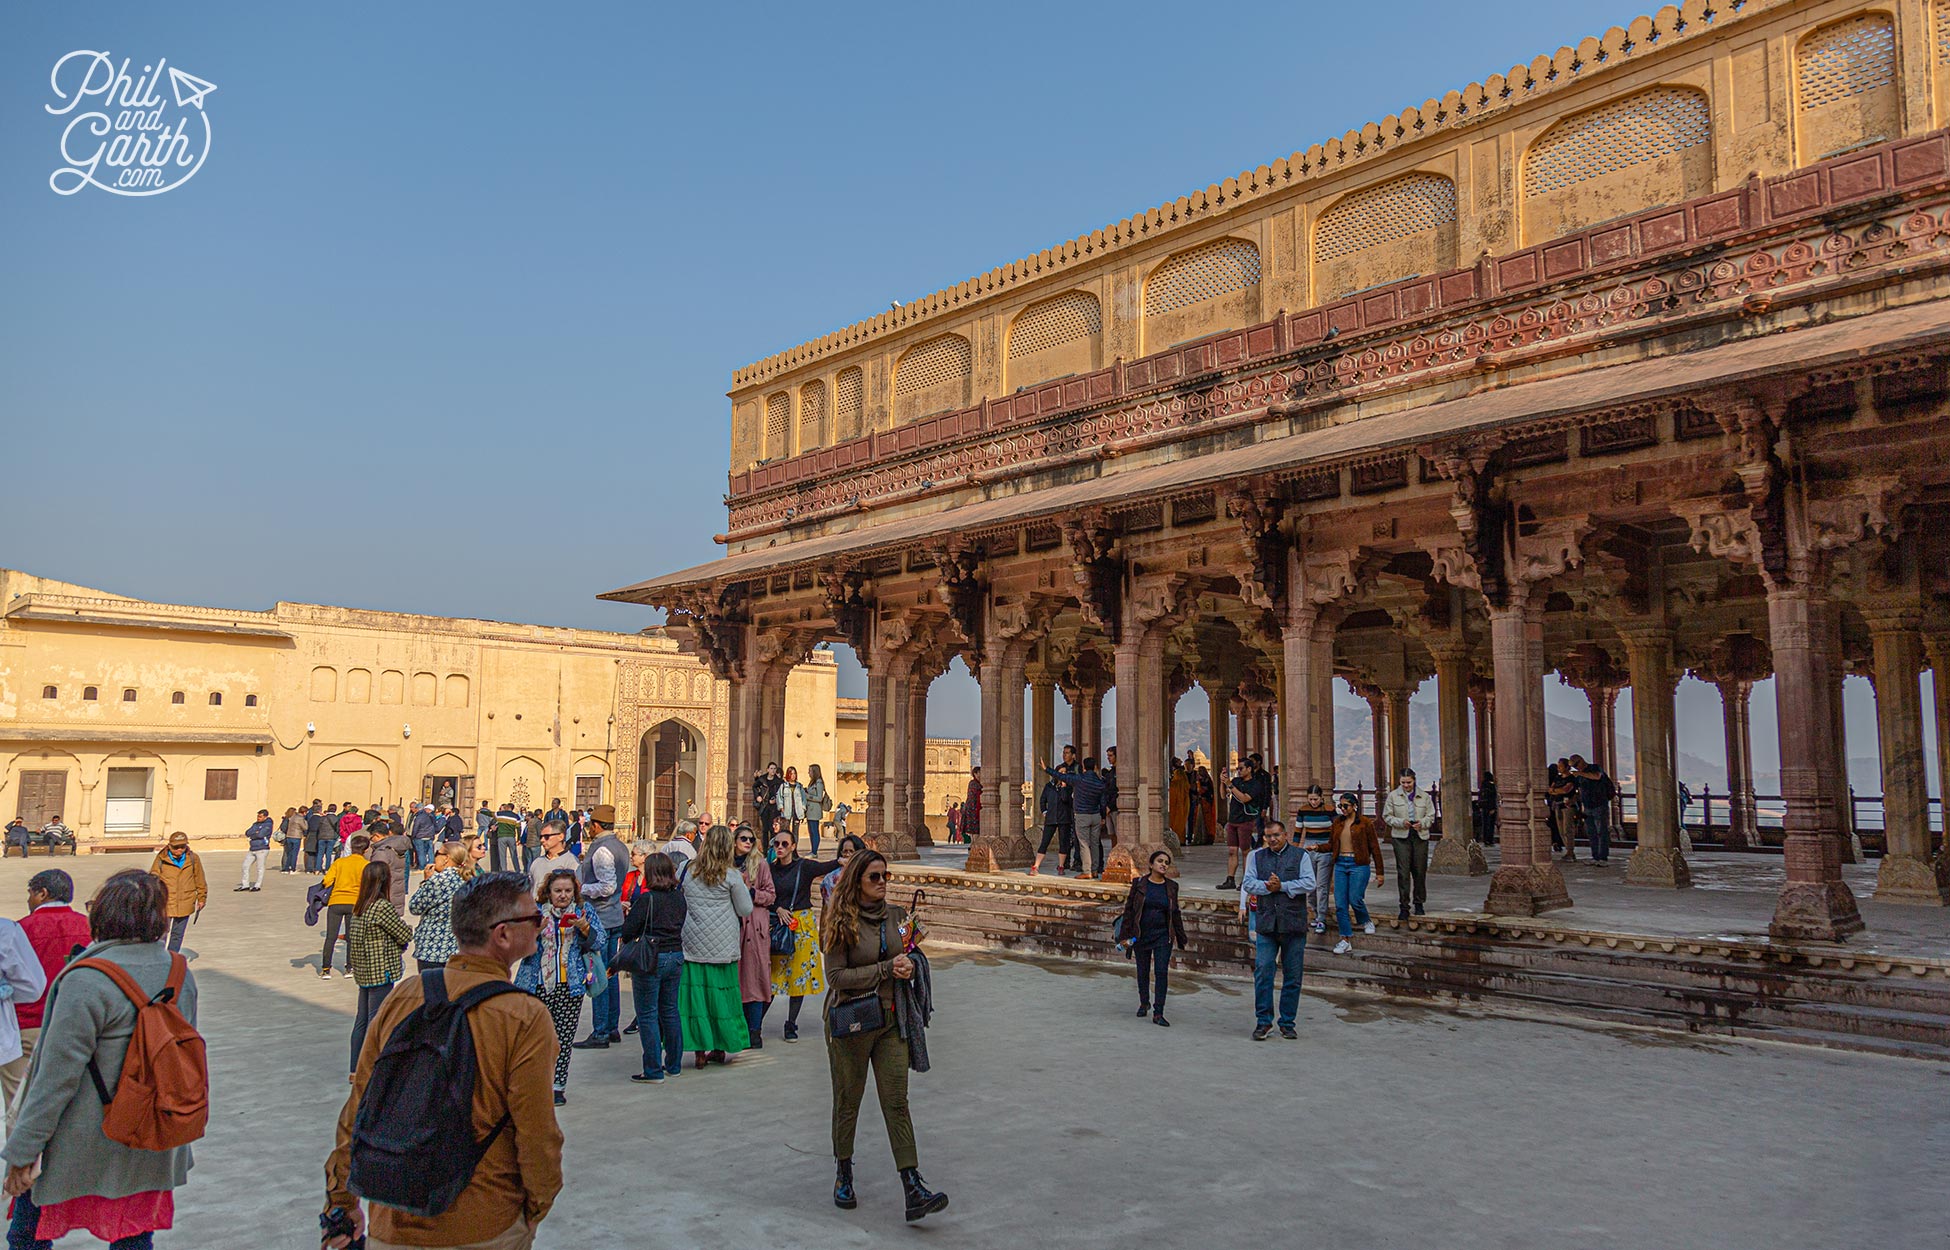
x=667, y=775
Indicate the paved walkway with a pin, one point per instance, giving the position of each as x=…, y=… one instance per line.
x=1732, y=897
x=1055, y=1117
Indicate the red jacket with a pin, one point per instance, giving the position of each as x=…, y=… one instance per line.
x=350, y=823
x=54, y=930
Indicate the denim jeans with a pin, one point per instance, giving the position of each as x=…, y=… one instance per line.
x=1153, y=974
x=657, y=1024
x=27, y=1219
x=606, y=1007
x=422, y=852
x=328, y=850
x=1350, y=893
x=290, y=861
x=177, y=924
x=1289, y=950
x=1597, y=830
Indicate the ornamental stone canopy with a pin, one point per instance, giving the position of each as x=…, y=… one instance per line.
x=1644, y=373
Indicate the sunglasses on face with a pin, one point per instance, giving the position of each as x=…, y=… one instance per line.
x=747, y=841
x=534, y=918
x=876, y=876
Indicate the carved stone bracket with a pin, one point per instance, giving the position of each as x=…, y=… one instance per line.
x=1098, y=570
x=852, y=609
x=1256, y=505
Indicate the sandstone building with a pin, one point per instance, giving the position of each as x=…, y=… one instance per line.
x=1629, y=361
x=131, y=719
x=945, y=763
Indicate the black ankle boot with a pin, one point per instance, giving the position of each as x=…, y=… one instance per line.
x=843, y=1185
x=920, y=1199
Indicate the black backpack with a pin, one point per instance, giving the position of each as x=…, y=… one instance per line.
x=419, y=1103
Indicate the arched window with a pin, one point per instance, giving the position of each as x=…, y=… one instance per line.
x=1385, y=233
x=50, y=692
x=1054, y=337
x=128, y=695
x=932, y=377
x=1846, y=93
x=1650, y=148
x=89, y=694
x=1199, y=291
x=176, y=697
x=849, y=404
x=778, y=414
x=216, y=699
x=250, y=700
x=812, y=416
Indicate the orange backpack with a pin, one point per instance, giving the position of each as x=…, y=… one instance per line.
x=162, y=1099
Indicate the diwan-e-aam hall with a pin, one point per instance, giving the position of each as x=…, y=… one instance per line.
x=1626, y=363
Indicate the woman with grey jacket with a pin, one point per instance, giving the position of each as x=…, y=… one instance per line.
x=88, y=1182
x=716, y=901
x=816, y=803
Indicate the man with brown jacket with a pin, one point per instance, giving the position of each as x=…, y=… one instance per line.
x=181, y=872
x=495, y=921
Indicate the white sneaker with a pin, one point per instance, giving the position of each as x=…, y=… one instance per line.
x=1343, y=947
x=1368, y=927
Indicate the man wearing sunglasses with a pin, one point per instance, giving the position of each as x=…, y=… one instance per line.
x=513, y=1186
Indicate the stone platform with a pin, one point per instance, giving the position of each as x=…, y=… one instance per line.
x=1698, y=960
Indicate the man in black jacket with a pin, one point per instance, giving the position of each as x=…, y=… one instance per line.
x=765, y=799
x=315, y=835
x=1059, y=816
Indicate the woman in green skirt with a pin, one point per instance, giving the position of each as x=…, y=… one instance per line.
x=708, y=1000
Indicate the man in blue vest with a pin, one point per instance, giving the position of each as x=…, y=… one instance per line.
x=1279, y=876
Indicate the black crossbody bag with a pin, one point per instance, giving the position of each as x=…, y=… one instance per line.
x=859, y=1015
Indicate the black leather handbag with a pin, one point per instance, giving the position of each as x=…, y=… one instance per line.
x=856, y=1016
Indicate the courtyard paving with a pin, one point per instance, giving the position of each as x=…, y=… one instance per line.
x=1053, y=1115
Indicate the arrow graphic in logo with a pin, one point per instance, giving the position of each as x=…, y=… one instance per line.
x=189, y=89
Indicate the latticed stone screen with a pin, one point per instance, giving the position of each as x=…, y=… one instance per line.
x=1650, y=148
x=1846, y=93
x=1404, y=226
x=812, y=415
x=939, y=360
x=1941, y=20
x=849, y=403
x=1847, y=59
x=1622, y=134
x=1066, y=319
x=1206, y=272
x=778, y=411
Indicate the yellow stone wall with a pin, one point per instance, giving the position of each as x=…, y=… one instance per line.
x=1693, y=99
x=338, y=704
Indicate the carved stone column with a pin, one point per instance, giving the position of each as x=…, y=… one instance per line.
x=1378, y=717
x=1743, y=826
x=1322, y=700
x=1907, y=873
x=1042, y=739
x=1219, y=699
x=1481, y=697
x=1093, y=721
x=1457, y=853
x=1398, y=697
x=895, y=774
x=1937, y=646
x=1525, y=883
x=1297, y=686
x=879, y=690
x=1815, y=903
x=1000, y=843
x=1834, y=745
x=1657, y=860
x=917, y=756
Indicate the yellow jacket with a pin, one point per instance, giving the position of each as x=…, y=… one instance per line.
x=343, y=876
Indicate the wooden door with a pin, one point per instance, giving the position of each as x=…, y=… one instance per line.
x=464, y=796
x=589, y=791
x=42, y=793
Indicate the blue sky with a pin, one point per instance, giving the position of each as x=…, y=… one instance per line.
x=446, y=321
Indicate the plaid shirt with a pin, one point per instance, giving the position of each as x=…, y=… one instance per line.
x=378, y=937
